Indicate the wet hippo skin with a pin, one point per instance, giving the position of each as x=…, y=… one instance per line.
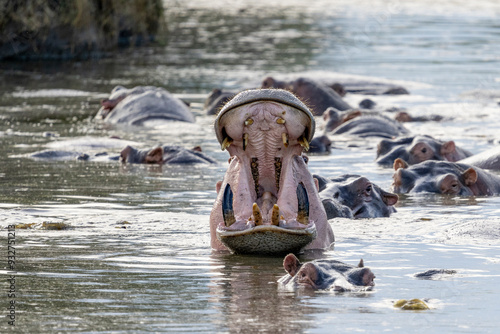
x=167, y=154
x=415, y=149
x=140, y=104
x=354, y=196
x=316, y=95
x=326, y=274
x=444, y=177
x=268, y=201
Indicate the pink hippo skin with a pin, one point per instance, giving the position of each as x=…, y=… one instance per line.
x=268, y=201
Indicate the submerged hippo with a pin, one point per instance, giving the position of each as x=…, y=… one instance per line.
x=317, y=95
x=268, y=202
x=415, y=149
x=354, y=196
x=216, y=100
x=165, y=155
x=489, y=159
x=320, y=145
x=326, y=274
x=370, y=126
x=140, y=104
x=444, y=177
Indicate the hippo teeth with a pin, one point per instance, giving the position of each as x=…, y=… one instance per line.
x=227, y=206
x=303, y=204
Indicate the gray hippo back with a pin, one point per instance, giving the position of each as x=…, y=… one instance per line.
x=141, y=104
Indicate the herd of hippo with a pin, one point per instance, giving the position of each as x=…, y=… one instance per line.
x=268, y=202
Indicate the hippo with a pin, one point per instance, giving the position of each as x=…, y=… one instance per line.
x=373, y=88
x=354, y=196
x=216, y=100
x=140, y=104
x=415, y=149
x=63, y=155
x=404, y=117
x=370, y=126
x=165, y=155
x=317, y=95
x=444, y=177
x=326, y=274
x=267, y=202
x=320, y=145
x=489, y=159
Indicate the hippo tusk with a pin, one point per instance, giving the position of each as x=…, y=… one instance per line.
x=227, y=206
x=303, y=142
x=275, y=215
x=245, y=141
x=303, y=204
x=284, y=137
x=257, y=216
x=226, y=143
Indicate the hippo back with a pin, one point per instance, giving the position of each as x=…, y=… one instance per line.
x=147, y=104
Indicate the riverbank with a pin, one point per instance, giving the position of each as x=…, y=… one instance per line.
x=76, y=29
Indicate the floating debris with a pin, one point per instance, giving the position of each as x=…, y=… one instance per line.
x=54, y=226
x=25, y=226
x=413, y=305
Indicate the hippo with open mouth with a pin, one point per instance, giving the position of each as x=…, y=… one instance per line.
x=268, y=201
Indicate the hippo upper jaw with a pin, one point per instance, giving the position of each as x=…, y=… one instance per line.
x=267, y=182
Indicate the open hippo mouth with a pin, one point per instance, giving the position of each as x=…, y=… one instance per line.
x=268, y=201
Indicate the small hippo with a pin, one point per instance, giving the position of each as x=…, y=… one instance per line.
x=140, y=104
x=444, y=177
x=165, y=155
x=373, y=88
x=267, y=202
x=415, y=149
x=216, y=100
x=320, y=145
x=326, y=275
x=354, y=196
x=315, y=94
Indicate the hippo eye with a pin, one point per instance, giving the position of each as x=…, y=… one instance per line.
x=368, y=189
x=424, y=150
x=305, y=158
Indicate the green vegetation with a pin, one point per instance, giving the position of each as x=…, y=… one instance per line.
x=64, y=29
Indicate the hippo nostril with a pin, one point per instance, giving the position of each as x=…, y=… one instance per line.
x=336, y=195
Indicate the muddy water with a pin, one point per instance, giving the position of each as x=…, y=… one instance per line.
x=135, y=255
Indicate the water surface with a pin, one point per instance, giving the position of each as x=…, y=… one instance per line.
x=136, y=254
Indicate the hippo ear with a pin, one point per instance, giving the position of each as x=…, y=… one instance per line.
x=389, y=198
x=291, y=264
x=448, y=148
x=361, y=264
x=400, y=163
x=351, y=115
x=154, y=156
x=321, y=181
x=470, y=177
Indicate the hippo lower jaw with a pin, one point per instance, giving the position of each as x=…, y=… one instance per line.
x=267, y=239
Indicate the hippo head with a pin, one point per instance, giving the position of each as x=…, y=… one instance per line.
x=334, y=117
x=364, y=198
x=326, y=274
x=268, y=201
x=441, y=177
x=417, y=149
